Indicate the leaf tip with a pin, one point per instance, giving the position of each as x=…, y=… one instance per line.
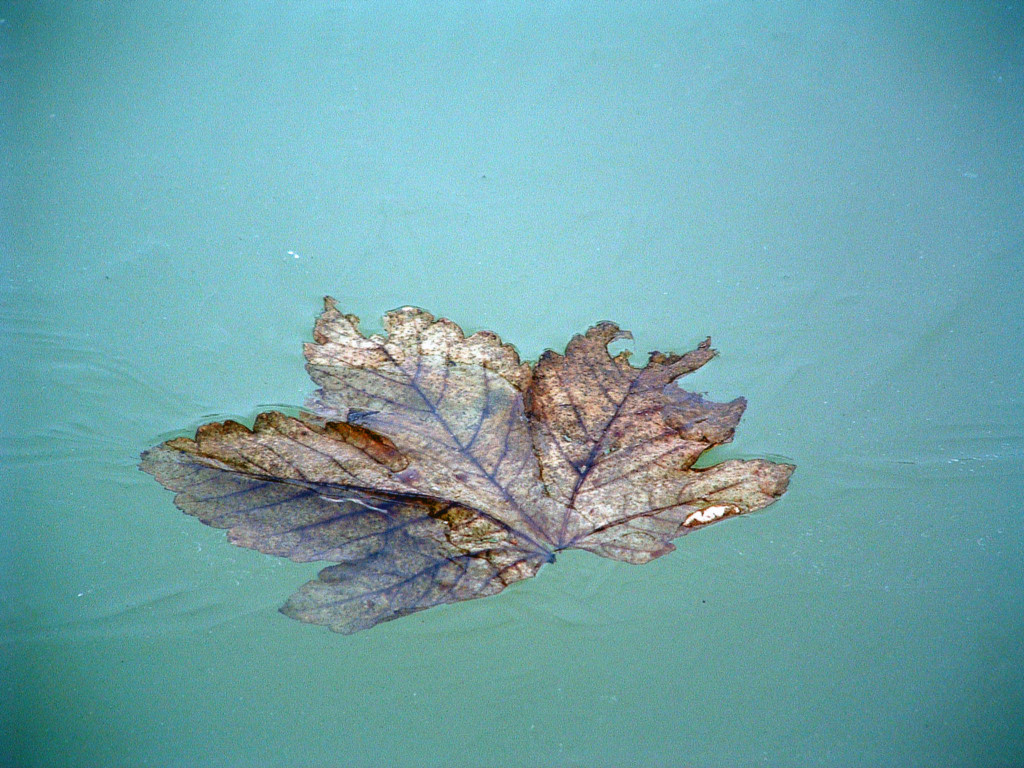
x=606, y=332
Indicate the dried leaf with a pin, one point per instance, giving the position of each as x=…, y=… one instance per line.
x=435, y=467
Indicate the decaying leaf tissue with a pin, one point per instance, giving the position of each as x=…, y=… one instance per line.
x=435, y=468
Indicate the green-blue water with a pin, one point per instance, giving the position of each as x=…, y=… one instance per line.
x=832, y=191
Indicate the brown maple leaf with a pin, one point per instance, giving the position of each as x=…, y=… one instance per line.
x=435, y=468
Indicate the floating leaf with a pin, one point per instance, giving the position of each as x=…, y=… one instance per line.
x=434, y=467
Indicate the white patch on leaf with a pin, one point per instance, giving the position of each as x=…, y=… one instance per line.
x=710, y=514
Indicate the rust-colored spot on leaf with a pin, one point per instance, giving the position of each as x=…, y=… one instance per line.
x=436, y=467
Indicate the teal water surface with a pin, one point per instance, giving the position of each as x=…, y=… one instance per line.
x=832, y=191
